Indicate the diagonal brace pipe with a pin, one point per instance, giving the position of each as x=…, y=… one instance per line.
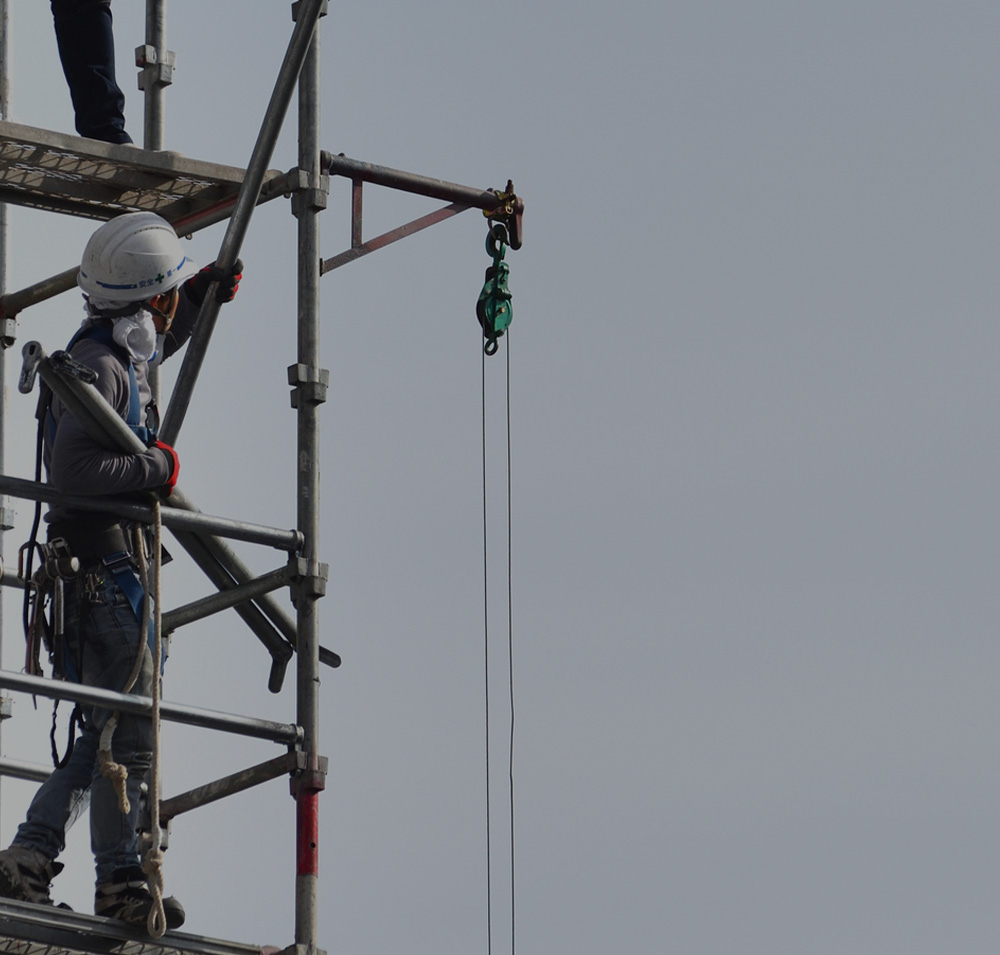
x=227, y=786
x=298, y=47
x=214, y=603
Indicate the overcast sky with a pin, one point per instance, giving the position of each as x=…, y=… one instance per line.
x=754, y=459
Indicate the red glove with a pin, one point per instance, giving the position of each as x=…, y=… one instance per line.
x=197, y=286
x=175, y=465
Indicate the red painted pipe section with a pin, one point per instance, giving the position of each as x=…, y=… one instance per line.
x=307, y=832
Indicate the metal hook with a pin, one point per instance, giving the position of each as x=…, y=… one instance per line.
x=496, y=240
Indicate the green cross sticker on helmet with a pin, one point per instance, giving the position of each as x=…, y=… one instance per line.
x=133, y=257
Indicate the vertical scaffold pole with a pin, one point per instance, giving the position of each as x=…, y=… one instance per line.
x=4, y=105
x=157, y=69
x=155, y=75
x=309, y=383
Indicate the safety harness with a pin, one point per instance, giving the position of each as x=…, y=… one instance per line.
x=147, y=432
x=82, y=540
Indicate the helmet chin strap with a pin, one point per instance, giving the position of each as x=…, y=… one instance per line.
x=167, y=320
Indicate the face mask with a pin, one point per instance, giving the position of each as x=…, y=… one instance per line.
x=160, y=339
x=136, y=334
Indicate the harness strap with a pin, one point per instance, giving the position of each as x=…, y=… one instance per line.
x=145, y=433
x=123, y=570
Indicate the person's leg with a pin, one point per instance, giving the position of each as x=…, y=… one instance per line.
x=28, y=866
x=114, y=642
x=59, y=801
x=87, y=50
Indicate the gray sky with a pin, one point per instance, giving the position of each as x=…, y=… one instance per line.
x=753, y=454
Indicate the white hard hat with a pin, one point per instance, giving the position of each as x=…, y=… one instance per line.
x=133, y=257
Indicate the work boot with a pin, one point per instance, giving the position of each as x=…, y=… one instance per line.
x=25, y=875
x=126, y=898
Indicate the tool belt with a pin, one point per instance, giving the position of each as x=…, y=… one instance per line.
x=91, y=540
x=102, y=541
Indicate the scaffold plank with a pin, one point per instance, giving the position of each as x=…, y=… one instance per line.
x=43, y=169
x=44, y=930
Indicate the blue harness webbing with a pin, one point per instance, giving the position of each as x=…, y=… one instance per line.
x=123, y=570
x=99, y=333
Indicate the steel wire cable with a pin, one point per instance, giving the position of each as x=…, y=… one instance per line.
x=486, y=657
x=510, y=663
x=510, y=667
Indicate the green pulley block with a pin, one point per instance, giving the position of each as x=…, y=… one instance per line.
x=494, y=309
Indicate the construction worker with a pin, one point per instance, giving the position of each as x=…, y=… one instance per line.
x=87, y=52
x=142, y=297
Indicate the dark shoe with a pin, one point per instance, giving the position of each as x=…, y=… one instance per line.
x=126, y=898
x=25, y=875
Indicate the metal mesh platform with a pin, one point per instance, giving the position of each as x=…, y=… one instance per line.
x=41, y=930
x=61, y=173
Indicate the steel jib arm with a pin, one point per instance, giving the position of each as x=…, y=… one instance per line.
x=502, y=205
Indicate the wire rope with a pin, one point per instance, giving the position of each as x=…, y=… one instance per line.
x=486, y=656
x=510, y=667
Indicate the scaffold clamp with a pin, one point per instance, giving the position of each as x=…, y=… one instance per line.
x=305, y=777
x=8, y=331
x=154, y=71
x=310, y=575
x=308, y=192
x=323, y=9
x=309, y=384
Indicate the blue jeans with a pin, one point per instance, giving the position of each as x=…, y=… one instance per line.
x=103, y=637
x=87, y=52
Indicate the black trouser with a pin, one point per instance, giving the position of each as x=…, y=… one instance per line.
x=87, y=51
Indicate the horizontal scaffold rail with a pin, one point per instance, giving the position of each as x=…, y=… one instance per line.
x=290, y=540
x=287, y=733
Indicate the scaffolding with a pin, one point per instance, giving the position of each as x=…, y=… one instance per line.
x=69, y=175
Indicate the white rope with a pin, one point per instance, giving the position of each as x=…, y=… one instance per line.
x=152, y=859
x=111, y=770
